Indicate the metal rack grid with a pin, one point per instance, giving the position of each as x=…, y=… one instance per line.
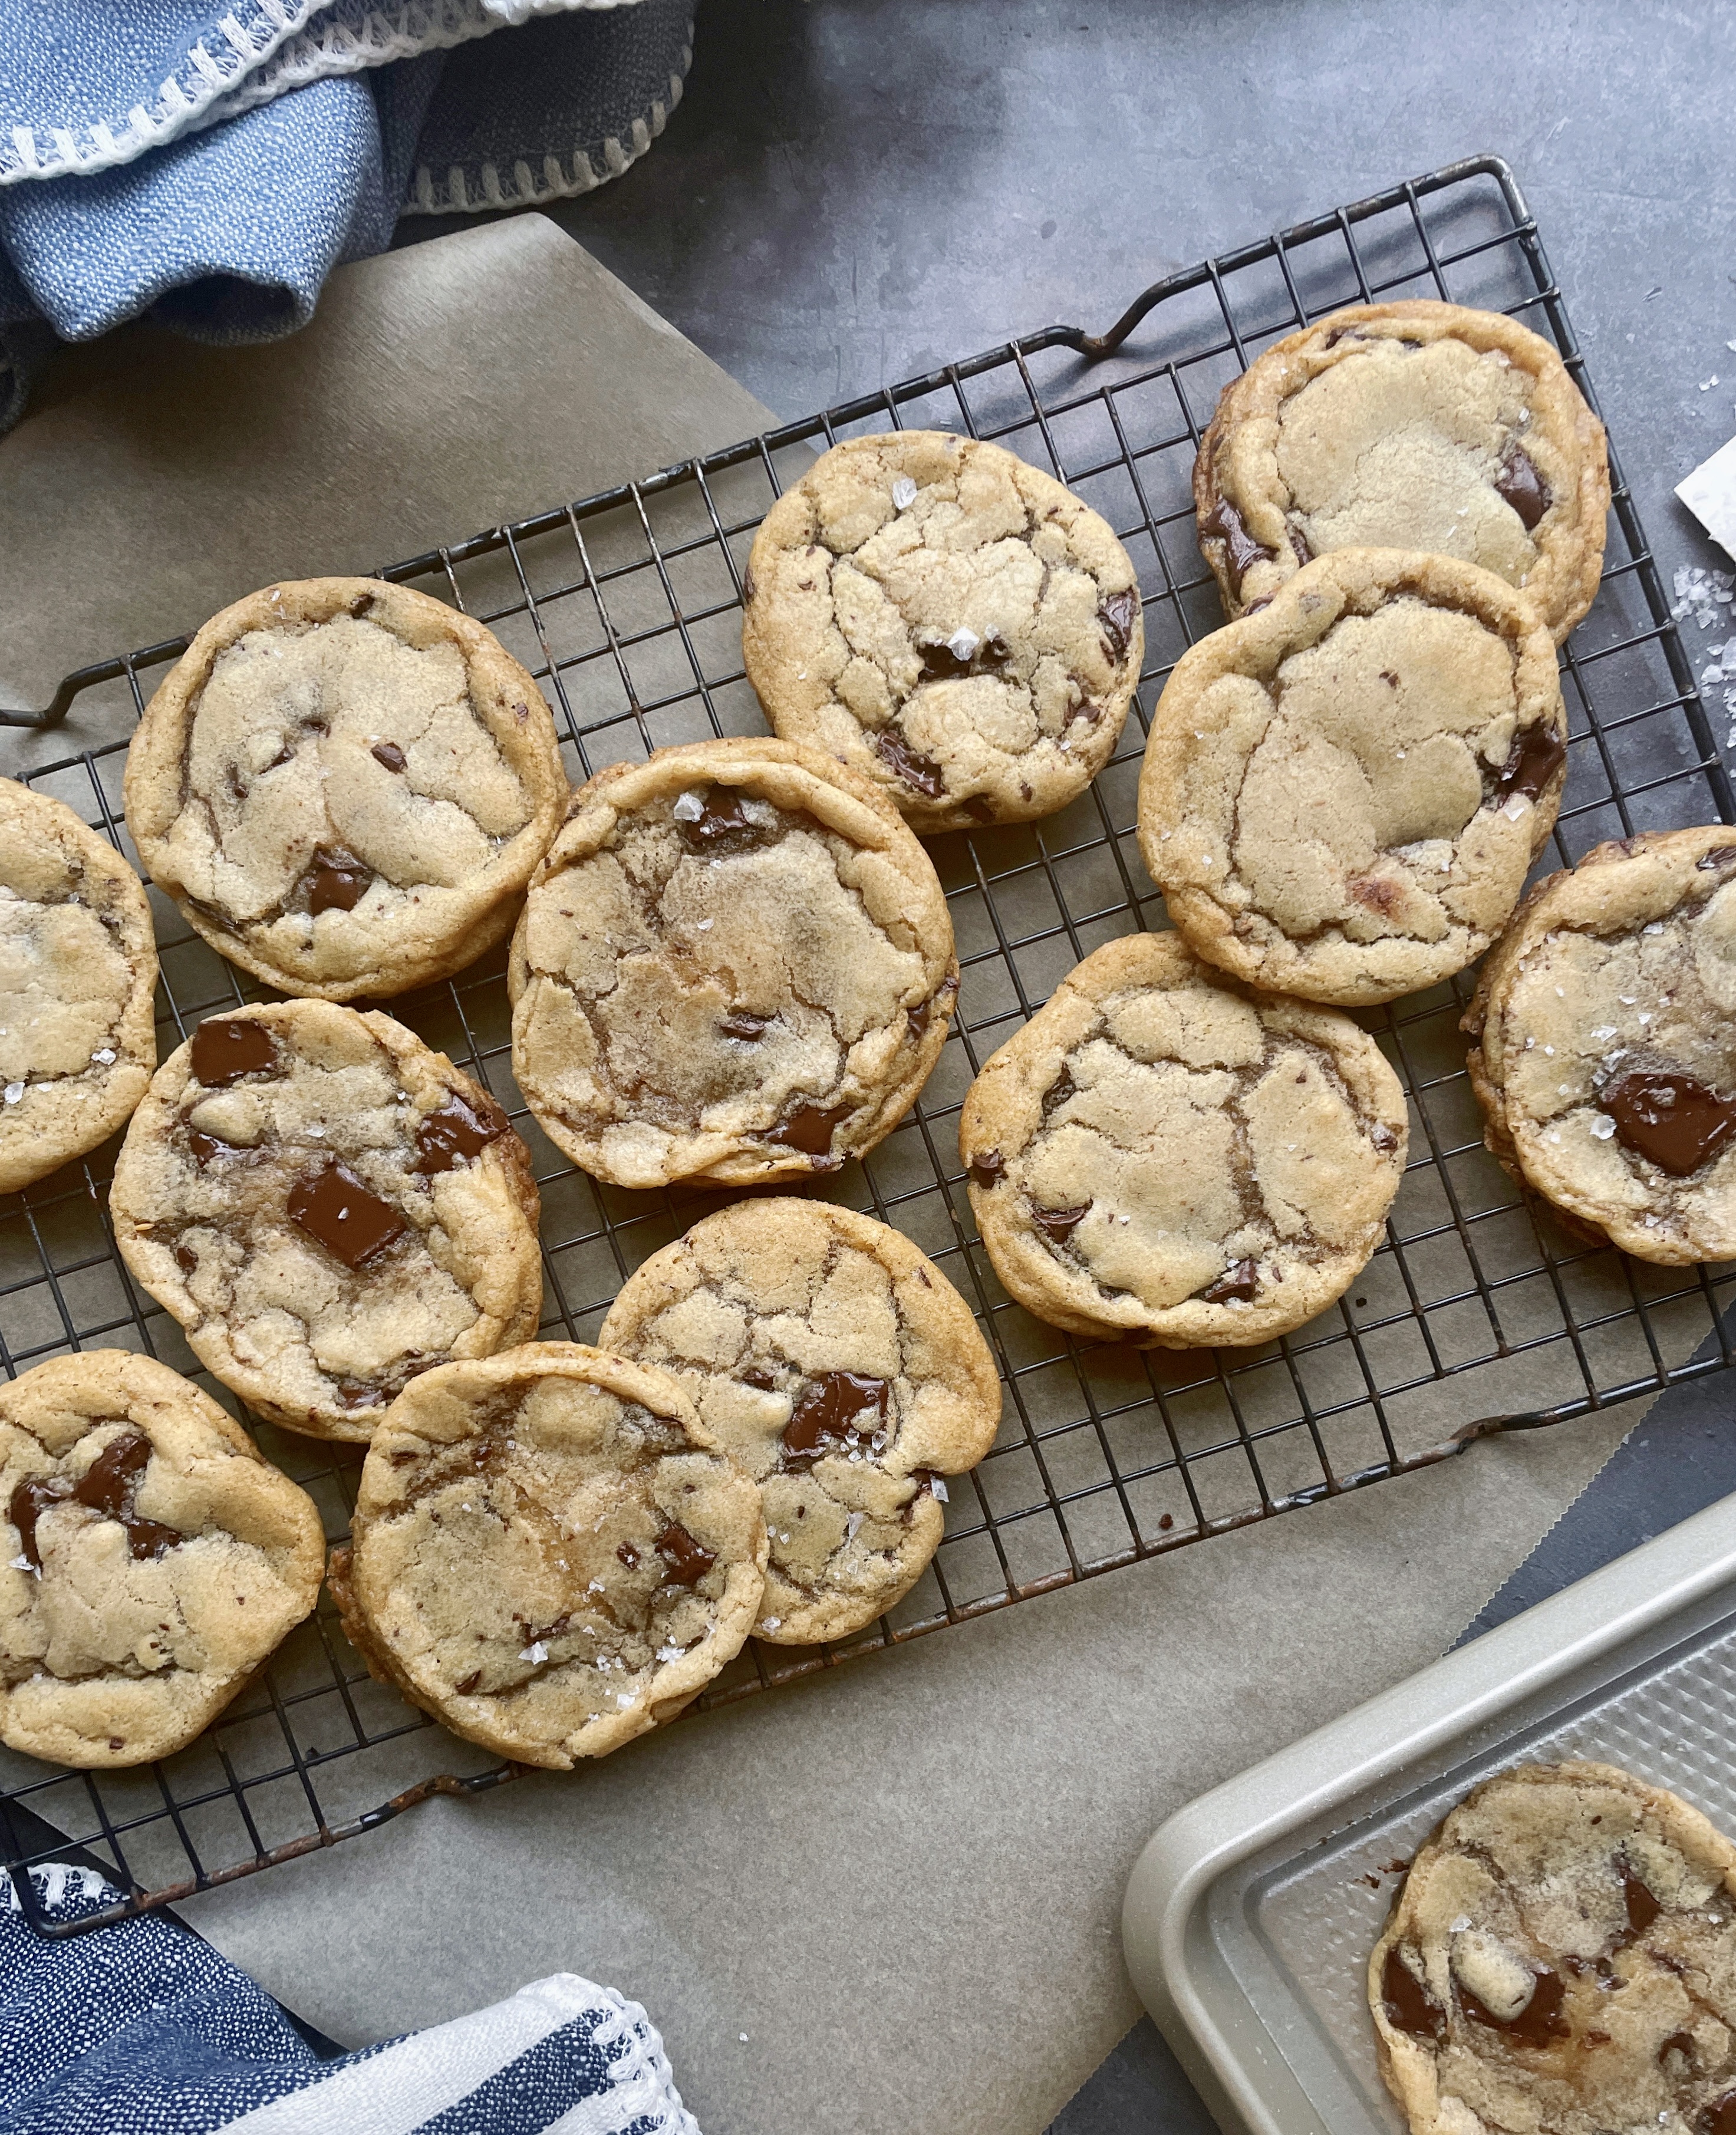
x=1478, y=1313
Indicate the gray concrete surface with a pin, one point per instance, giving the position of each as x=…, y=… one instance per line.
x=855, y=190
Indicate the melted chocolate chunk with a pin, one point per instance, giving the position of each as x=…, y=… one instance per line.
x=722, y=826
x=1642, y=1908
x=1407, y=2002
x=981, y=809
x=1720, y=856
x=754, y=1376
x=186, y=1259
x=685, y=1560
x=1240, y=1280
x=628, y=1555
x=990, y=1168
x=1719, y=2116
x=354, y=1393
x=1087, y=709
x=1383, y=1137
x=994, y=653
x=835, y=1403
x=940, y=663
x=1058, y=1091
x=30, y=1500
x=226, y=1048
x=456, y=1133
x=743, y=1023
x=389, y=754
x=919, y=1017
x=1517, y=482
x=1537, y=754
x=206, y=1146
x=337, y=881
x=809, y=1128
x=1539, y=2022
x=1672, y=1120
x=332, y=1206
x=1060, y=1224
x=469, y=1683
x=1241, y=548
x=919, y=772
x=1116, y=619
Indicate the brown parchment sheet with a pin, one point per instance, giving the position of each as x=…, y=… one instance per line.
x=901, y=1879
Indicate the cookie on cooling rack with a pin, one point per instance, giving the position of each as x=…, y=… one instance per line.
x=1562, y=1955
x=1165, y=1156
x=344, y=786
x=78, y=971
x=1342, y=795
x=550, y=1554
x=156, y=1558
x=949, y=621
x=328, y=1207
x=1409, y=425
x=736, y=964
x=838, y=1366
x=1606, y=1054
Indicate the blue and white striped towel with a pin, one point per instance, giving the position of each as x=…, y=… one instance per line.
x=144, y=2027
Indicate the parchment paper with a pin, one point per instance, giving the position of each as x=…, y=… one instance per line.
x=901, y=1882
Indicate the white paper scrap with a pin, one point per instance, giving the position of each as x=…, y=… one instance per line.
x=1709, y=493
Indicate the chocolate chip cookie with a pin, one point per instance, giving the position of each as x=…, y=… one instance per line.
x=735, y=965
x=947, y=620
x=1164, y=1156
x=156, y=1557
x=1411, y=425
x=328, y=1207
x=550, y=1553
x=78, y=971
x=344, y=786
x=840, y=1368
x=1562, y=1957
x=1606, y=1053
x=1343, y=794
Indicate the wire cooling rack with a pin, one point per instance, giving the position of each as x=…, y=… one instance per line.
x=1479, y=1313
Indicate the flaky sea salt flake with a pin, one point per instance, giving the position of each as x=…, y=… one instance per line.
x=904, y=495
x=938, y=1489
x=536, y=1652
x=963, y=643
x=14, y=1092
x=1602, y=1127
x=688, y=807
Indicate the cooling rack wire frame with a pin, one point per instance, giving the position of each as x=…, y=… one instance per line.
x=1477, y=1313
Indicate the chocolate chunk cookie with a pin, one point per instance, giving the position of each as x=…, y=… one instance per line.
x=1165, y=1156
x=948, y=622
x=1343, y=794
x=1412, y=425
x=328, y=1207
x=156, y=1557
x=735, y=965
x=344, y=786
x=78, y=969
x=1605, y=1059
x=842, y=1372
x=550, y=1554
x=1562, y=1957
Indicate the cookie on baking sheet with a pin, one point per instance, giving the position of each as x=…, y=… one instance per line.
x=1606, y=1054
x=78, y=974
x=550, y=1553
x=1343, y=794
x=949, y=621
x=1409, y=425
x=1562, y=1957
x=344, y=786
x=156, y=1557
x=736, y=964
x=837, y=1365
x=327, y=1207
x=1166, y=1156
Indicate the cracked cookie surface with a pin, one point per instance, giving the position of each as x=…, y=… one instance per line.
x=78, y=972
x=950, y=623
x=344, y=785
x=156, y=1557
x=1606, y=1054
x=1164, y=1156
x=1342, y=795
x=550, y=1553
x=842, y=1370
x=735, y=965
x=1411, y=425
x=328, y=1207
x=1562, y=1959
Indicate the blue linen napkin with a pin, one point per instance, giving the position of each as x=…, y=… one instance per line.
x=142, y=2026
x=210, y=165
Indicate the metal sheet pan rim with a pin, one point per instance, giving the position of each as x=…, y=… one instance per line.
x=1291, y=1792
